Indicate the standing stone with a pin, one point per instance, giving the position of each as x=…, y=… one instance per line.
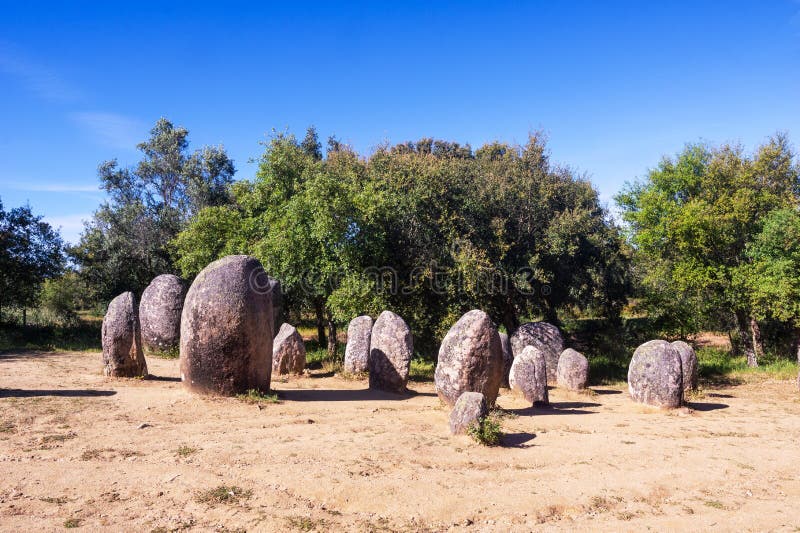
x=122, y=339
x=573, y=370
x=470, y=359
x=288, y=351
x=356, y=354
x=655, y=376
x=528, y=375
x=688, y=364
x=226, y=328
x=160, y=313
x=508, y=358
x=469, y=409
x=544, y=336
x=276, y=293
x=390, y=352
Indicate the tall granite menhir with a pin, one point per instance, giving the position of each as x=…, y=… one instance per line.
x=390, y=352
x=122, y=339
x=226, y=329
x=160, y=313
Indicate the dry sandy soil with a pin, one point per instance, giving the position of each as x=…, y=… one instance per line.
x=80, y=449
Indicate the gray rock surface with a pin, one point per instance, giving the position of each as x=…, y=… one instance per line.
x=122, y=339
x=160, y=313
x=688, y=364
x=469, y=409
x=276, y=295
x=390, y=353
x=544, y=336
x=528, y=375
x=356, y=354
x=288, y=351
x=470, y=359
x=655, y=376
x=508, y=358
x=573, y=370
x=226, y=329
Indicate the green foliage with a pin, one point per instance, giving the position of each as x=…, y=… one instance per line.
x=127, y=242
x=31, y=252
x=486, y=431
x=61, y=297
x=691, y=222
x=421, y=370
x=82, y=336
x=719, y=365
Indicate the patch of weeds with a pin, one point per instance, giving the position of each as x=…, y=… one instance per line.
x=170, y=353
x=628, y=442
x=421, y=370
x=599, y=504
x=354, y=376
x=550, y=513
x=71, y=523
x=305, y=523
x=88, y=455
x=694, y=395
x=60, y=500
x=715, y=504
x=57, y=438
x=223, y=494
x=185, y=451
x=6, y=427
x=486, y=431
x=501, y=414
x=625, y=516
x=256, y=396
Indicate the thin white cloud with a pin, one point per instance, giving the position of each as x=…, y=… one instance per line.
x=111, y=129
x=41, y=80
x=70, y=226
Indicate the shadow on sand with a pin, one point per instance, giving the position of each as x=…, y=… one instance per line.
x=62, y=393
x=345, y=395
x=702, y=407
x=517, y=440
x=556, y=408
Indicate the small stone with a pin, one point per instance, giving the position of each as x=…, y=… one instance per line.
x=573, y=370
x=288, y=351
x=469, y=409
x=528, y=375
x=508, y=358
x=143, y=425
x=356, y=354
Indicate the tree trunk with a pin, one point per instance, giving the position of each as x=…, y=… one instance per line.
x=758, y=343
x=746, y=338
x=319, y=310
x=510, y=319
x=332, y=340
x=735, y=348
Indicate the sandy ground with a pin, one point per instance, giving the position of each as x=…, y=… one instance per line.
x=333, y=456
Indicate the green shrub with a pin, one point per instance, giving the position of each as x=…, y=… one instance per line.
x=486, y=431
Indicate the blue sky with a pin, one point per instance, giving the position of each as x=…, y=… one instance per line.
x=615, y=85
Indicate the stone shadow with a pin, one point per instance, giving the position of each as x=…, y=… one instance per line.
x=704, y=407
x=345, y=395
x=517, y=440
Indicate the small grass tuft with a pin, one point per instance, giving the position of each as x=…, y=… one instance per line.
x=486, y=431
x=185, y=451
x=421, y=370
x=223, y=494
x=305, y=523
x=715, y=504
x=256, y=396
x=170, y=353
x=60, y=500
x=72, y=523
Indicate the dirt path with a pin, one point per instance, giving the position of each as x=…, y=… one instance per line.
x=140, y=455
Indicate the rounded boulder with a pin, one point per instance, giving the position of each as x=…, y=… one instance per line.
x=469, y=409
x=573, y=370
x=390, y=352
x=688, y=364
x=470, y=359
x=288, y=351
x=528, y=375
x=356, y=353
x=160, y=313
x=541, y=335
x=122, y=339
x=226, y=328
x=655, y=376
